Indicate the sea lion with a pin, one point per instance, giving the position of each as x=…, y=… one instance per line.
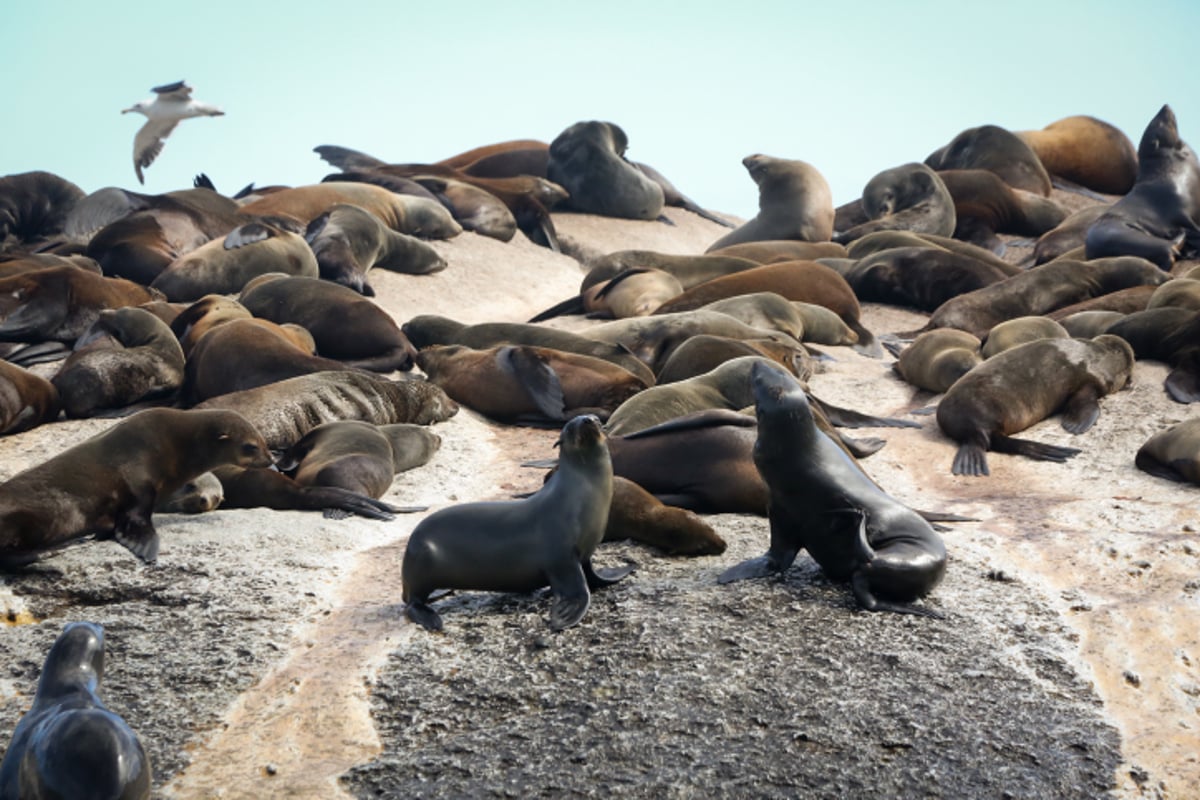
x=34, y=207
x=190, y=325
x=1086, y=151
x=1041, y=290
x=1019, y=330
x=69, y=744
x=358, y=456
x=1089, y=324
x=476, y=154
x=633, y=293
x=224, y=266
x=638, y=515
x=426, y=330
x=1022, y=386
x=1173, y=454
x=917, y=277
x=1068, y=235
x=984, y=205
x=938, y=358
x=822, y=501
x=910, y=197
x=704, y=352
x=1158, y=218
x=521, y=384
x=108, y=484
x=1178, y=292
x=771, y=250
x=522, y=545
x=588, y=160
x=1124, y=301
x=764, y=310
x=126, y=356
x=26, y=399
x=886, y=240
x=794, y=202
x=806, y=281
x=997, y=150
x=477, y=210
x=61, y=303
x=200, y=494
x=286, y=410
x=689, y=270
x=415, y=216
x=1170, y=334
x=345, y=326
x=348, y=241
x=823, y=326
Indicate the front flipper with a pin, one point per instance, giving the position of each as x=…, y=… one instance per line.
x=780, y=555
x=1082, y=410
x=867, y=601
x=135, y=532
x=1183, y=385
x=571, y=596
x=424, y=615
x=599, y=578
x=759, y=567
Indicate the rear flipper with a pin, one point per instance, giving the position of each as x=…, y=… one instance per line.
x=1082, y=410
x=424, y=615
x=571, y=596
x=867, y=344
x=971, y=459
x=1183, y=385
x=599, y=578
x=135, y=532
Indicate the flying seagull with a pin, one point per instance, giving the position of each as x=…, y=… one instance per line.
x=171, y=103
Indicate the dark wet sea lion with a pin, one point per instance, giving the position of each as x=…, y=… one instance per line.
x=26, y=399
x=108, y=485
x=794, y=202
x=1086, y=151
x=1170, y=334
x=358, y=456
x=522, y=545
x=34, y=207
x=938, y=358
x=287, y=410
x=128, y=355
x=910, y=197
x=1022, y=386
x=822, y=501
x=345, y=326
x=61, y=303
x=1174, y=453
x=69, y=744
x=1019, y=330
x=522, y=384
x=998, y=150
x=348, y=242
x=588, y=160
x=1158, y=219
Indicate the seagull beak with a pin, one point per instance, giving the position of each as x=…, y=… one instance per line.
x=126, y=110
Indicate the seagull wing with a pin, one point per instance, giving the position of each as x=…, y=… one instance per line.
x=179, y=90
x=149, y=143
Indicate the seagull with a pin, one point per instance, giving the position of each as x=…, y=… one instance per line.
x=171, y=103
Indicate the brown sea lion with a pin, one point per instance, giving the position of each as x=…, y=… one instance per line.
x=1089, y=324
x=764, y=310
x=1170, y=334
x=61, y=303
x=34, y=207
x=128, y=355
x=1124, y=301
x=1018, y=331
x=415, y=216
x=477, y=210
x=1159, y=219
x=689, y=270
x=224, y=266
x=108, y=485
x=286, y=410
x=348, y=241
x=984, y=205
x=638, y=515
x=823, y=326
x=998, y=150
x=1067, y=236
x=198, y=318
x=26, y=399
x=1178, y=292
x=794, y=202
x=886, y=240
x=475, y=155
x=1021, y=387
x=910, y=197
x=633, y=293
x=703, y=353
x=917, y=277
x=1173, y=454
x=771, y=250
x=938, y=358
x=588, y=160
x=358, y=456
x=16, y=264
x=528, y=385
x=1086, y=151
x=345, y=326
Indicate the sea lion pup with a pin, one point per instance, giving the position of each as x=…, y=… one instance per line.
x=1041, y=290
x=345, y=326
x=916, y=277
x=416, y=216
x=522, y=545
x=1173, y=454
x=822, y=501
x=26, y=399
x=794, y=202
x=887, y=240
x=286, y=410
x=1089, y=324
x=910, y=197
x=528, y=385
x=588, y=160
x=1022, y=386
x=1158, y=218
x=1086, y=151
x=126, y=356
x=806, y=281
x=769, y=251
x=1178, y=292
x=638, y=515
x=108, y=485
x=984, y=205
x=1068, y=235
x=938, y=358
x=1017, y=331
x=34, y=207
x=426, y=330
x=358, y=456
x=244, y=354
x=224, y=266
x=61, y=303
x=997, y=150
x=69, y=744
x=190, y=325
x=703, y=353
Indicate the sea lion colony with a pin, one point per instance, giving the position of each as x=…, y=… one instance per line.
x=71, y=263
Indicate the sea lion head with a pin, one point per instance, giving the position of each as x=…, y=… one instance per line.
x=582, y=438
x=75, y=661
x=1115, y=362
x=235, y=437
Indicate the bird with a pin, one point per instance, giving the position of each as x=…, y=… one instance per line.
x=171, y=103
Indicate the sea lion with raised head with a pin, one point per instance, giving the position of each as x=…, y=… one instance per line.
x=588, y=160
x=34, y=207
x=794, y=202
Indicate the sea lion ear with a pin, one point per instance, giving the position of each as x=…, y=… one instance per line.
x=223, y=437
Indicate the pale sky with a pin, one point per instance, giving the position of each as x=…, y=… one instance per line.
x=852, y=88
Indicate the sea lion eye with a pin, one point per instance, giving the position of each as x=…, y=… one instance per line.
x=250, y=448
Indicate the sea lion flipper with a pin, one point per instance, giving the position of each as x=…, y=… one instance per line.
x=605, y=576
x=1183, y=386
x=759, y=567
x=861, y=448
x=424, y=615
x=848, y=418
x=538, y=378
x=860, y=585
x=697, y=420
x=971, y=459
x=571, y=596
x=136, y=533
x=1082, y=410
x=247, y=234
x=1030, y=449
x=1152, y=466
